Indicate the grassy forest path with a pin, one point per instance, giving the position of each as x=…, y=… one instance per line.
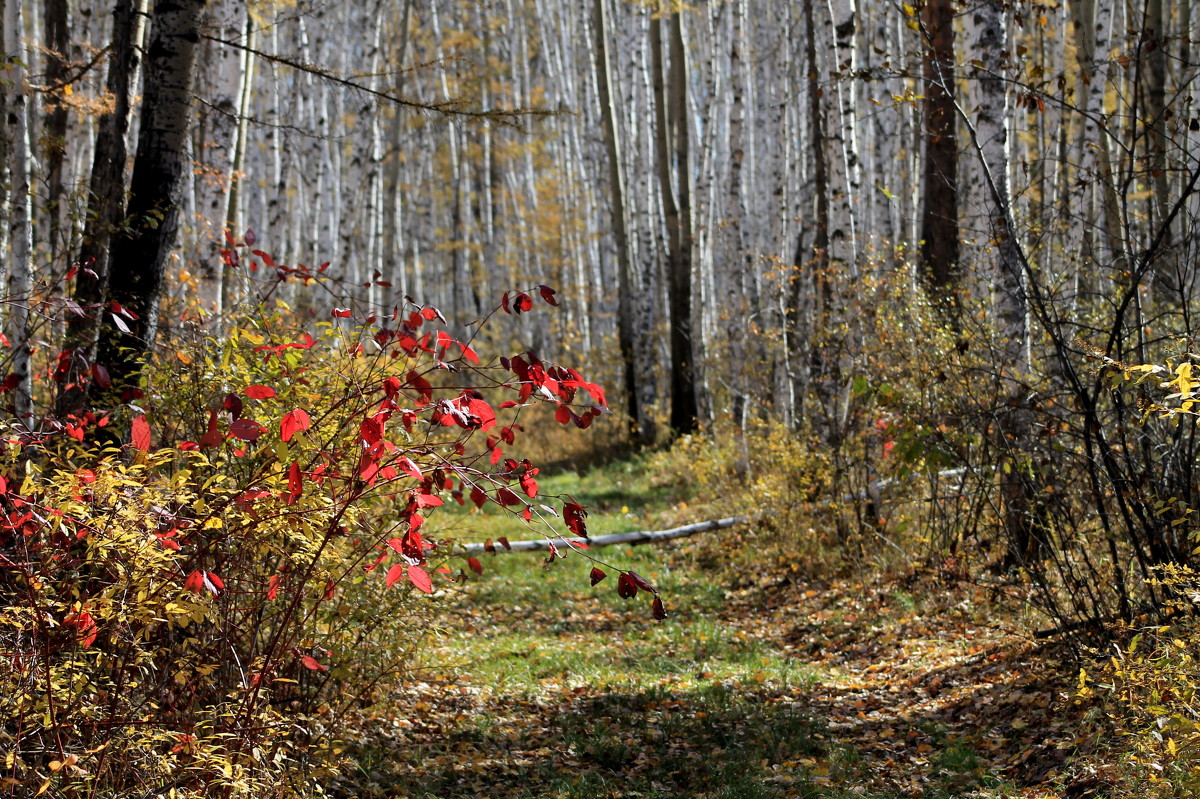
x=761, y=684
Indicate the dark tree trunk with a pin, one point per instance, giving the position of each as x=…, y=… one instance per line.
x=139, y=252
x=57, y=45
x=106, y=208
x=670, y=94
x=939, y=219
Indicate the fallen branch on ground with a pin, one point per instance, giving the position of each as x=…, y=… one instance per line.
x=639, y=537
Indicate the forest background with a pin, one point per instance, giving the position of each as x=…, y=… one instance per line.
x=908, y=286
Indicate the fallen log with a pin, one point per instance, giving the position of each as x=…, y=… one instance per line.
x=638, y=537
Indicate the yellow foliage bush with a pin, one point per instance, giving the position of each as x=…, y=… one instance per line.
x=191, y=613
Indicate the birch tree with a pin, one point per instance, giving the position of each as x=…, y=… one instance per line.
x=20, y=209
x=988, y=35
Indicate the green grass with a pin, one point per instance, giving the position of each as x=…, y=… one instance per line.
x=553, y=688
x=620, y=497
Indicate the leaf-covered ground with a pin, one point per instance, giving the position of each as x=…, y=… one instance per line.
x=762, y=686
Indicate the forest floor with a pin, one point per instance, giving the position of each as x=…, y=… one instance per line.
x=765, y=685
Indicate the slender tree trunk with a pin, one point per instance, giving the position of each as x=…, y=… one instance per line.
x=393, y=255
x=627, y=304
x=1093, y=23
x=140, y=254
x=812, y=248
x=990, y=43
x=20, y=212
x=845, y=166
x=230, y=295
x=673, y=146
x=939, y=218
x=215, y=137
x=106, y=209
x=54, y=148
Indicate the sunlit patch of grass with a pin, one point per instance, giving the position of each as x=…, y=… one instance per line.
x=620, y=497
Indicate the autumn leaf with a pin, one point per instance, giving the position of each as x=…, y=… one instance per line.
x=246, y=430
x=293, y=422
x=295, y=484
x=420, y=578
x=139, y=434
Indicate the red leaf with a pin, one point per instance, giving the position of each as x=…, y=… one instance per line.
x=506, y=497
x=246, y=429
x=250, y=237
x=117, y=308
x=660, y=612
x=340, y=313
x=408, y=467
x=84, y=624
x=212, y=438
x=293, y=422
x=427, y=501
x=312, y=663
x=233, y=404
x=522, y=303
x=474, y=564
x=273, y=586
x=100, y=375
x=563, y=415
x=420, y=578
x=200, y=581
x=394, y=574
x=295, y=484
x=424, y=389
x=597, y=575
x=626, y=588
x=259, y=392
x=529, y=485
x=478, y=497
x=574, y=515
x=489, y=547
x=641, y=582
x=547, y=295
x=194, y=582
x=504, y=543
x=139, y=435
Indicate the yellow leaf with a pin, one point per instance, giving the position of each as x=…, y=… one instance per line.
x=45, y=787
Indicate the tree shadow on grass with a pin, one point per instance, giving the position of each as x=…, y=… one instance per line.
x=715, y=740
